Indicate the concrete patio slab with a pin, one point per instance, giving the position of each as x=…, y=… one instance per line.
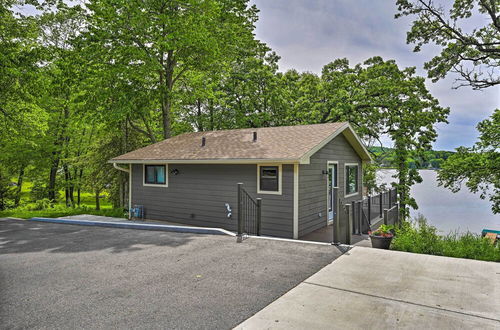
x=372, y=288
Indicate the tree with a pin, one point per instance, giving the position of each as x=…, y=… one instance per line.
x=22, y=122
x=478, y=166
x=161, y=41
x=472, y=53
x=475, y=56
x=379, y=99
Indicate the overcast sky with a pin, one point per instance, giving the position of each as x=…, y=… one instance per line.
x=308, y=34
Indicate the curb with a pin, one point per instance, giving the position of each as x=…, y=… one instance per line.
x=140, y=226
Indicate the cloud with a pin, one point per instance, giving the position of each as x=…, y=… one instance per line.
x=309, y=34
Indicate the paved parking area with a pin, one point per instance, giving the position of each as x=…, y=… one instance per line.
x=65, y=276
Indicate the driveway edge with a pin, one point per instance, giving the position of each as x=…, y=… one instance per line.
x=140, y=226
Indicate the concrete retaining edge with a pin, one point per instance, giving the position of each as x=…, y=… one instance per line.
x=140, y=226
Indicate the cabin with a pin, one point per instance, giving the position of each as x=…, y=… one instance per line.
x=300, y=173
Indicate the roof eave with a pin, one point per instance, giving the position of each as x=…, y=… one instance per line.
x=206, y=161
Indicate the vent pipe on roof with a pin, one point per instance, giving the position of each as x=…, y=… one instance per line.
x=203, y=141
x=254, y=136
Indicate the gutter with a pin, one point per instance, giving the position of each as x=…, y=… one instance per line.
x=115, y=165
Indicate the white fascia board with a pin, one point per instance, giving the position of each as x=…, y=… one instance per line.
x=205, y=161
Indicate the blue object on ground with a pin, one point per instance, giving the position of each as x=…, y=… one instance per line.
x=485, y=231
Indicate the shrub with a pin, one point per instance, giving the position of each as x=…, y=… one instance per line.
x=41, y=204
x=418, y=236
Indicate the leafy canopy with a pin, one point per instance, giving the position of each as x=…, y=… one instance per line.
x=477, y=167
x=473, y=53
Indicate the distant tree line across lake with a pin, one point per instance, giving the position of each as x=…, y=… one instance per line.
x=430, y=159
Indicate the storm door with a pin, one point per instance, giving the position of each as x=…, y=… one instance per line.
x=332, y=190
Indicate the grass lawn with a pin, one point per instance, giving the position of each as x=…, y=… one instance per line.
x=58, y=211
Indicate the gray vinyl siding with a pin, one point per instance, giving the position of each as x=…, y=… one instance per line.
x=313, y=213
x=197, y=196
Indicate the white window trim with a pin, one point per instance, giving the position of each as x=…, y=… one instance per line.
x=328, y=221
x=167, y=177
x=280, y=174
x=345, y=179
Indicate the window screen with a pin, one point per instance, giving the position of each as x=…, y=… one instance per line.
x=269, y=177
x=351, y=179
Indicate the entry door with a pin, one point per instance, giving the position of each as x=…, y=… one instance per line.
x=332, y=190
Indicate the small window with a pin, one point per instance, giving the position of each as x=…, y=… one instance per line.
x=155, y=175
x=269, y=179
x=351, y=177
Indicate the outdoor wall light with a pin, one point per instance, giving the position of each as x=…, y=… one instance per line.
x=175, y=171
x=324, y=172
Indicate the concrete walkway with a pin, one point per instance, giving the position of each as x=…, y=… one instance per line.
x=379, y=289
x=101, y=221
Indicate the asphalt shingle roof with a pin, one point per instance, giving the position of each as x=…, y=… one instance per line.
x=284, y=143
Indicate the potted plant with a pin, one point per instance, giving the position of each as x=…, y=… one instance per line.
x=382, y=237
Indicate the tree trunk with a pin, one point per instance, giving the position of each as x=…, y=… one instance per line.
x=19, y=186
x=211, y=111
x=97, y=200
x=80, y=175
x=199, y=114
x=52, y=178
x=66, y=184
x=166, y=85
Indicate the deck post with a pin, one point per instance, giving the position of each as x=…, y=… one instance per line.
x=386, y=216
x=396, y=205
x=354, y=221
x=239, y=238
x=390, y=198
x=381, y=205
x=360, y=216
x=349, y=224
x=369, y=210
x=336, y=223
x=259, y=215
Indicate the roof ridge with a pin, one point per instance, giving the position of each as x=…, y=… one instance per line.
x=340, y=123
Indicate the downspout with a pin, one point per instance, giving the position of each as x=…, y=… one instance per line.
x=129, y=171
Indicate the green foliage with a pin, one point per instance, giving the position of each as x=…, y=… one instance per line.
x=85, y=83
x=433, y=159
x=479, y=166
x=38, y=205
x=61, y=211
x=471, y=52
x=419, y=237
x=384, y=231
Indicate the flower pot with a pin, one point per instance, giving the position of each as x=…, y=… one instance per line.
x=381, y=242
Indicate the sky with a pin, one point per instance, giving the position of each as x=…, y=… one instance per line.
x=308, y=34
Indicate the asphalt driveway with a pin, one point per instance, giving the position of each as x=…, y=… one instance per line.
x=66, y=276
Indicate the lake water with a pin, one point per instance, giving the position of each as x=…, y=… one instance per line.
x=445, y=210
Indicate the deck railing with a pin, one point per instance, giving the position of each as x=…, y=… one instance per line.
x=360, y=216
x=370, y=210
x=391, y=216
x=249, y=213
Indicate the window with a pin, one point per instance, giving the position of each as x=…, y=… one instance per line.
x=155, y=175
x=269, y=179
x=351, y=179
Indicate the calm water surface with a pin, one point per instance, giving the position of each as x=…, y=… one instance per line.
x=448, y=211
